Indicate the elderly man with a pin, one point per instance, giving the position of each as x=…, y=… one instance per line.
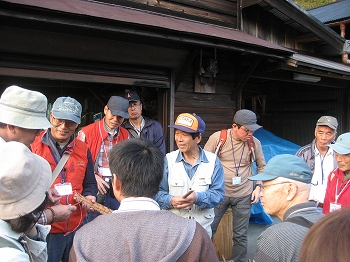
x=237, y=156
x=285, y=192
x=100, y=137
x=22, y=118
x=338, y=188
x=77, y=174
x=194, y=170
x=140, y=126
x=320, y=157
x=139, y=230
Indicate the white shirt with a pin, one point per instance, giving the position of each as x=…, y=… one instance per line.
x=323, y=166
x=137, y=204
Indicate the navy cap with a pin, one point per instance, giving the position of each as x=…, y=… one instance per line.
x=132, y=96
x=118, y=106
x=285, y=165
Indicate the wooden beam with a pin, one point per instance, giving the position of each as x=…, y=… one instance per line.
x=246, y=3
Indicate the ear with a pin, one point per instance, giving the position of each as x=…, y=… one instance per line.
x=292, y=190
x=105, y=109
x=11, y=128
x=117, y=187
x=199, y=139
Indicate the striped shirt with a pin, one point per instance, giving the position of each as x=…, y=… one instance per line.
x=282, y=241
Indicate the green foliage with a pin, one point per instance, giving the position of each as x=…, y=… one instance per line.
x=308, y=4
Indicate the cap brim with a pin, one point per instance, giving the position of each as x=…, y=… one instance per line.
x=120, y=113
x=340, y=149
x=327, y=124
x=253, y=127
x=66, y=116
x=262, y=177
x=182, y=128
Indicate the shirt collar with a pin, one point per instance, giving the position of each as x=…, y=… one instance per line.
x=137, y=204
x=202, y=156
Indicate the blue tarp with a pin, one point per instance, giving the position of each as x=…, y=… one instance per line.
x=271, y=145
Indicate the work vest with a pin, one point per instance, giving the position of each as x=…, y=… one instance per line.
x=75, y=170
x=95, y=133
x=180, y=183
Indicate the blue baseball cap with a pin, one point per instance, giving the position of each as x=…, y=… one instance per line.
x=285, y=165
x=342, y=145
x=189, y=123
x=67, y=108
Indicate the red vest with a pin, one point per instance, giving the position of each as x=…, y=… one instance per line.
x=95, y=133
x=75, y=173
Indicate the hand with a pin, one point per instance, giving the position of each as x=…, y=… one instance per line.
x=87, y=207
x=53, y=196
x=179, y=202
x=62, y=212
x=255, y=195
x=101, y=184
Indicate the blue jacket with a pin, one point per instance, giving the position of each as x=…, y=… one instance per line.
x=152, y=131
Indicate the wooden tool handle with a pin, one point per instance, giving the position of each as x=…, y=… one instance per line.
x=187, y=194
x=103, y=210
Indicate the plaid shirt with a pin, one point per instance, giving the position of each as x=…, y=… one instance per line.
x=106, y=147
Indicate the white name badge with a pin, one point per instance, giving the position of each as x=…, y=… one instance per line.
x=236, y=180
x=334, y=206
x=104, y=171
x=64, y=189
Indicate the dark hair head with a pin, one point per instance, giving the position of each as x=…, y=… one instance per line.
x=139, y=166
x=328, y=239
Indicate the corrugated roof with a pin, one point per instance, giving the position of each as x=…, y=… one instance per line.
x=332, y=12
x=321, y=64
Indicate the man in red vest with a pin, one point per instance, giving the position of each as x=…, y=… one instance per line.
x=100, y=137
x=77, y=174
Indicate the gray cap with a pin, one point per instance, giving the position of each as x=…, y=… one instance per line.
x=246, y=118
x=118, y=106
x=329, y=121
x=342, y=145
x=285, y=165
x=67, y=108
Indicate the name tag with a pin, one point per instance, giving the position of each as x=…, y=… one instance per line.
x=236, y=180
x=64, y=189
x=334, y=206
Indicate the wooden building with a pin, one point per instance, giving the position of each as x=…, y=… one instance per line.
x=208, y=57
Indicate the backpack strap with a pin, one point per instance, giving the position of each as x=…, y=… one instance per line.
x=251, y=146
x=222, y=141
x=301, y=221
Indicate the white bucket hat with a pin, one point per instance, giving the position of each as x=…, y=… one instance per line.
x=24, y=179
x=23, y=108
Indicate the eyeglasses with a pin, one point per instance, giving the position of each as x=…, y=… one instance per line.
x=245, y=130
x=68, y=123
x=264, y=186
x=134, y=104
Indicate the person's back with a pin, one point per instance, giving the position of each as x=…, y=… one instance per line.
x=144, y=235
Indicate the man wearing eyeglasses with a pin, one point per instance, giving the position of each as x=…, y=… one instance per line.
x=237, y=158
x=100, y=137
x=77, y=174
x=140, y=126
x=285, y=191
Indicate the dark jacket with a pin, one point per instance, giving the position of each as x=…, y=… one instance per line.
x=152, y=131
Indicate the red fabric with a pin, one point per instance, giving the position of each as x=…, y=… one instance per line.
x=344, y=199
x=75, y=170
x=95, y=133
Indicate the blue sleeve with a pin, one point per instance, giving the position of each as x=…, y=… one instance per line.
x=163, y=197
x=89, y=183
x=159, y=137
x=216, y=192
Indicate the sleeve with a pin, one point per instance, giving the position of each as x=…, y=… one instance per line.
x=42, y=219
x=159, y=137
x=327, y=197
x=163, y=197
x=260, y=159
x=89, y=183
x=212, y=142
x=216, y=192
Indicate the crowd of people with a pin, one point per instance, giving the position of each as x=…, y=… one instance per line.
x=120, y=164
